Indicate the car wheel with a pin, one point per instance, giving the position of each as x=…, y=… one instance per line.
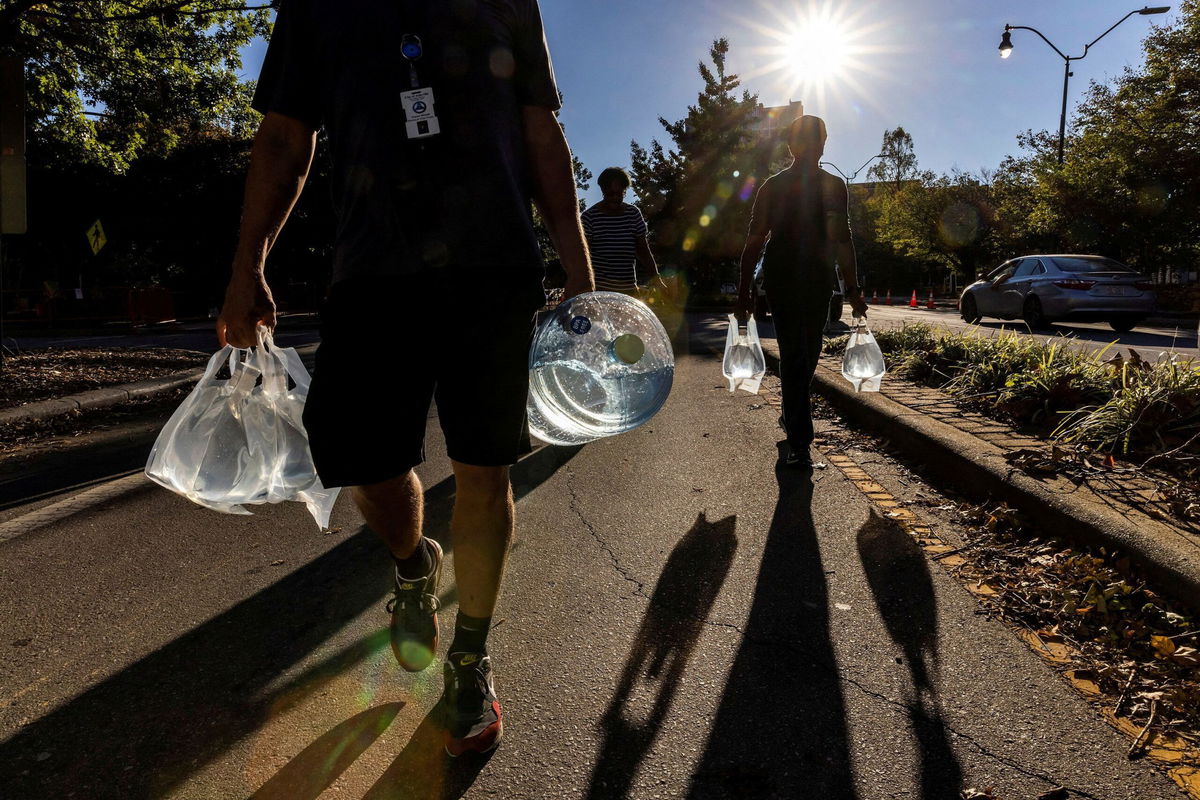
x=970, y=310
x=1032, y=314
x=1123, y=325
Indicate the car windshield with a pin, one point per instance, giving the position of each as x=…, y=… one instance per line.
x=1092, y=265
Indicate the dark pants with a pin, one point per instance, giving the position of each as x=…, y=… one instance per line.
x=799, y=323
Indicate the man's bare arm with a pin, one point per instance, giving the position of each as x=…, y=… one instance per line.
x=756, y=240
x=838, y=232
x=279, y=163
x=554, y=194
x=646, y=259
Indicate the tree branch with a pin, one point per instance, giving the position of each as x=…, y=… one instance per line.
x=174, y=7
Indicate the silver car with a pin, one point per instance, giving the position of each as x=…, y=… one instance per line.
x=1045, y=289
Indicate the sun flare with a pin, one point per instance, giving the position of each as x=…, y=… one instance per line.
x=816, y=51
x=813, y=51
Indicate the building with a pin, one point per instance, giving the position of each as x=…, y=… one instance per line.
x=769, y=122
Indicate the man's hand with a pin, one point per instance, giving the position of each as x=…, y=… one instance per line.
x=858, y=304
x=578, y=284
x=744, y=306
x=248, y=303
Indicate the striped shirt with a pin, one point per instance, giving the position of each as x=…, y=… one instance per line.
x=612, y=239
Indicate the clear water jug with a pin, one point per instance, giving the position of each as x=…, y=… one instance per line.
x=600, y=364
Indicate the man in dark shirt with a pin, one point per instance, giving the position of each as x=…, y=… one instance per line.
x=442, y=128
x=801, y=215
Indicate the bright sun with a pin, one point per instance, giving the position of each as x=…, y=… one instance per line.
x=813, y=50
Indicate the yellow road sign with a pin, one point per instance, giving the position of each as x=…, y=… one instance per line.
x=96, y=237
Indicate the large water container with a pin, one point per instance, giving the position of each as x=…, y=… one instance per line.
x=600, y=364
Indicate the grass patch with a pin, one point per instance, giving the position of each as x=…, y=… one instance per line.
x=1122, y=406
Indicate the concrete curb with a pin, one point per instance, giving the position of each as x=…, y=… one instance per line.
x=978, y=469
x=110, y=396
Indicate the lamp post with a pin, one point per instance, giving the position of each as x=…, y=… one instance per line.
x=850, y=178
x=1006, y=47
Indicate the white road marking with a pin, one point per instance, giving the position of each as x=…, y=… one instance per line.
x=56, y=512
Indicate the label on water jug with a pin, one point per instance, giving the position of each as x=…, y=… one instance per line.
x=581, y=325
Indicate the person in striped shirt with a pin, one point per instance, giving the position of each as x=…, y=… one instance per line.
x=616, y=236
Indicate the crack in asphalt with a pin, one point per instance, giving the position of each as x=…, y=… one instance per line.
x=907, y=711
x=605, y=547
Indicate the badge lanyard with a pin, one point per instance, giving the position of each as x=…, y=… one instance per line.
x=420, y=120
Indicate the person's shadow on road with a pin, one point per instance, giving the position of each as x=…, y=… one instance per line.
x=780, y=730
x=145, y=729
x=686, y=590
x=898, y=574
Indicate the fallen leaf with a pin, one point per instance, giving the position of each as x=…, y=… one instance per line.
x=277, y=562
x=1187, y=656
x=1163, y=646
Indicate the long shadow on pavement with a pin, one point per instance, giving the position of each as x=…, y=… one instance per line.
x=898, y=575
x=146, y=728
x=780, y=730
x=686, y=591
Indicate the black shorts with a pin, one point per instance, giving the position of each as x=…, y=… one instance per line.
x=391, y=345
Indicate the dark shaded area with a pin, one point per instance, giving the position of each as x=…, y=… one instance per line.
x=183, y=705
x=780, y=730
x=317, y=766
x=423, y=771
x=898, y=574
x=686, y=590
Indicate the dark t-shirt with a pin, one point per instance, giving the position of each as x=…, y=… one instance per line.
x=806, y=214
x=458, y=200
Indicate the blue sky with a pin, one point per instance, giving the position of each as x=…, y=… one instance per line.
x=929, y=65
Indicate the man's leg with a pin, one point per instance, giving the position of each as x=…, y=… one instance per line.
x=394, y=510
x=482, y=529
x=798, y=332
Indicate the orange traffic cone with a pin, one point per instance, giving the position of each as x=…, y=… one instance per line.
x=875, y=297
x=912, y=303
x=930, y=304
x=888, y=300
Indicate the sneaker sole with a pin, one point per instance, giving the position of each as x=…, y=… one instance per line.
x=471, y=745
x=416, y=666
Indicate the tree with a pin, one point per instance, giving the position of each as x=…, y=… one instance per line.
x=696, y=196
x=109, y=80
x=898, y=162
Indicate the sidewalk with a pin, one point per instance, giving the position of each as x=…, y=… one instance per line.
x=971, y=453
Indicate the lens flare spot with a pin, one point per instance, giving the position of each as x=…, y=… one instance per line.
x=747, y=189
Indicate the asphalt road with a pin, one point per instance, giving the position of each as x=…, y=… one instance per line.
x=1148, y=340
x=680, y=619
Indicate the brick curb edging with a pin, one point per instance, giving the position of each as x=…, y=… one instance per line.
x=110, y=396
x=978, y=469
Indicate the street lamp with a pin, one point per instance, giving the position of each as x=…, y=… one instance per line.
x=850, y=178
x=1006, y=47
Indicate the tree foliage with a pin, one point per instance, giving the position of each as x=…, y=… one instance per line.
x=696, y=193
x=898, y=159
x=110, y=80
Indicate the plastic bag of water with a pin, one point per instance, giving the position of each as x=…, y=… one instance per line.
x=600, y=364
x=744, y=364
x=863, y=363
x=241, y=441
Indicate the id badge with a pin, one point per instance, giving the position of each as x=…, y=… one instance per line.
x=420, y=121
